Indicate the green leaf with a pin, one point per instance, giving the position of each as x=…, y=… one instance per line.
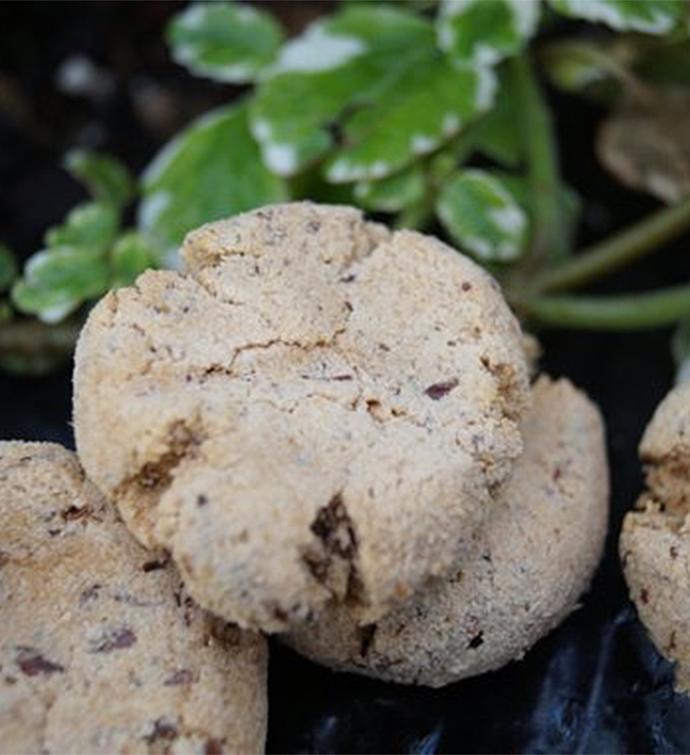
x=394, y=193
x=374, y=74
x=8, y=267
x=130, y=256
x=496, y=134
x=310, y=184
x=571, y=202
x=443, y=163
x=224, y=41
x=486, y=31
x=5, y=312
x=89, y=226
x=602, y=68
x=573, y=65
x=57, y=281
x=210, y=170
x=650, y=16
x=481, y=214
x=106, y=178
x=433, y=100
x=645, y=144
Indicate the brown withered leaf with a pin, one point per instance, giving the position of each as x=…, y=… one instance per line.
x=646, y=143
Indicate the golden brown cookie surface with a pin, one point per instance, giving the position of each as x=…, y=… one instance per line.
x=655, y=541
x=101, y=651
x=522, y=575
x=316, y=410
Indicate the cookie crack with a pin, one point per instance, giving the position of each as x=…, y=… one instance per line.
x=301, y=346
x=206, y=287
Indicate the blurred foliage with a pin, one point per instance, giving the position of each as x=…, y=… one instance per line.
x=426, y=113
x=482, y=215
x=210, y=167
x=105, y=177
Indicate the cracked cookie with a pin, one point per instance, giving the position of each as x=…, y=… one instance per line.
x=655, y=540
x=317, y=409
x=522, y=575
x=101, y=651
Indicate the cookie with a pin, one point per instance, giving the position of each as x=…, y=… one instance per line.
x=101, y=650
x=655, y=539
x=524, y=573
x=317, y=410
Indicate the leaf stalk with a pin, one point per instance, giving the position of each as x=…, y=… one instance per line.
x=548, y=237
x=617, y=251
x=622, y=313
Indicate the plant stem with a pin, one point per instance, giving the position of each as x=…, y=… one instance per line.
x=633, y=242
x=624, y=312
x=548, y=238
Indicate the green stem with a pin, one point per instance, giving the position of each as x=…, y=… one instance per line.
x=548, y=237
x=624, y=312
x=630, y=244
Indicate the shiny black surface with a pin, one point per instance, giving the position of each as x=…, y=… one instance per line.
x=596, y=684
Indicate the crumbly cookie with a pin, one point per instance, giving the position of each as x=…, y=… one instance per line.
x=655, y=540
x=100, y=649
x=523, y=575
x=318, y=409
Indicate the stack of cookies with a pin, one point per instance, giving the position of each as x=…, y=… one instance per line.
x=321, y=429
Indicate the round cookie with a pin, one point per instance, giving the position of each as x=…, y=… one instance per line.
x=101, y=651
x=655, y=540
x=317, y=410
x=522, y=576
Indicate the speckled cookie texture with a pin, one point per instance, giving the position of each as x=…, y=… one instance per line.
x=524, y=573
x=316, y=410
x=101, y=650
x=655, y=541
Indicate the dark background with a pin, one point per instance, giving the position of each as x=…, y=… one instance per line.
x=594, y=685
